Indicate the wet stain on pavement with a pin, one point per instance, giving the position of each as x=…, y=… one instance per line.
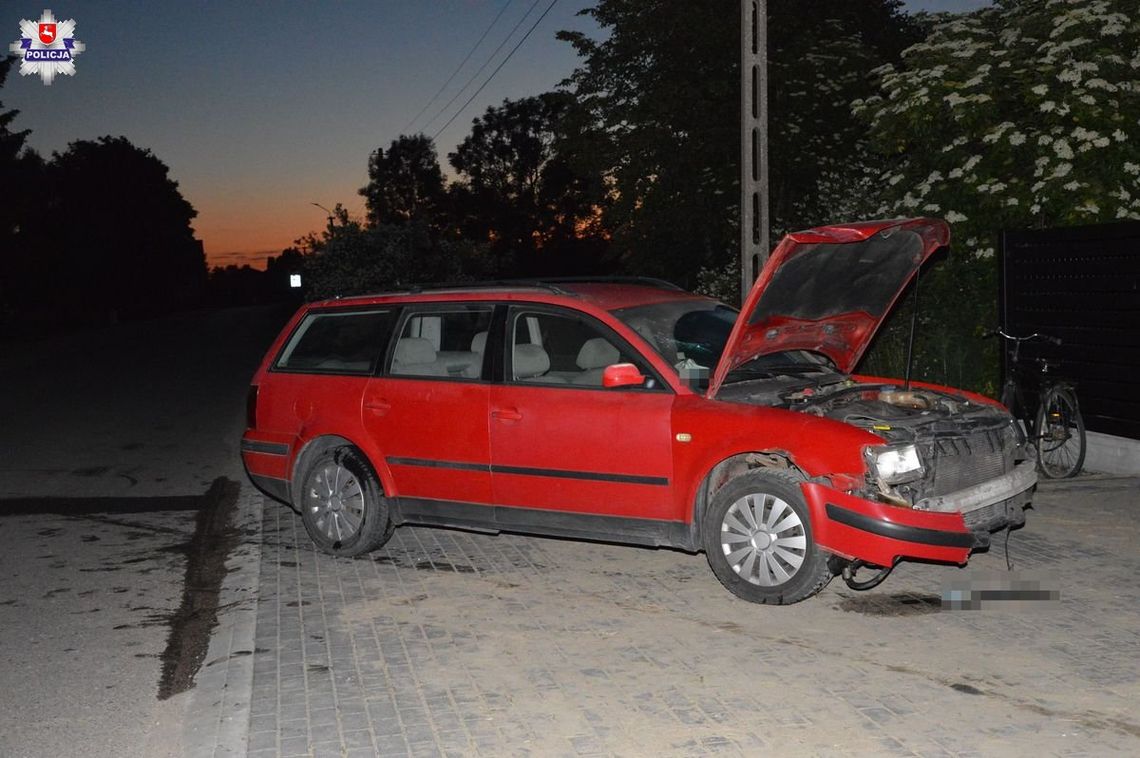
x=48, y=532
x=132, y=446
x=966, y=689
x=190, y=626
x=892, y=605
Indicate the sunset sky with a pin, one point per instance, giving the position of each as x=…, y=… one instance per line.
x=261, y=109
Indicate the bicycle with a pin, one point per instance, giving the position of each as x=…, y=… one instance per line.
x=1055, y=425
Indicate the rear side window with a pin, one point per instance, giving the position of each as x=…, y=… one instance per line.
x=337, y=342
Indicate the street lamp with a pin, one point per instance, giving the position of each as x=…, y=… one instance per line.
x=326, y=210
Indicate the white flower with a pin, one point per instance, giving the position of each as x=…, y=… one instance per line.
x=1062, y=149
x=987, y=252
x=1089, y=207
x=1119, y=136
x=1011, y=201
x=1048, y=106
x=1072, y=186
x=1040, y=89
x=1100, y=142
x=1035, y=208
x=1062, y=170
x=955, y=173
x=1017, y=138
x=895, y=179
x=954, y=217
x=1087, y=99
x=1131, y=168
x=1044, y=139
x=972, y=161
x=932, y=207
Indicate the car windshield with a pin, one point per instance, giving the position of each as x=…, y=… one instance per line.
x=689, y=334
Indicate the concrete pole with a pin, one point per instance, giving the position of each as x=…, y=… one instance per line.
x=754, y=221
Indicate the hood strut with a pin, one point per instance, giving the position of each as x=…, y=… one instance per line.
x=913, y=321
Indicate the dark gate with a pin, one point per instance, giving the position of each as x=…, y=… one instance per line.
x=1081, y=284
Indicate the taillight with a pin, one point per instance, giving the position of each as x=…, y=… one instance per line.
x=251, y=407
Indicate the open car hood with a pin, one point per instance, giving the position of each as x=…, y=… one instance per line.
x=828, y=290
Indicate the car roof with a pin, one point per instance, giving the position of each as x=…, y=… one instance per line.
x=614, y=293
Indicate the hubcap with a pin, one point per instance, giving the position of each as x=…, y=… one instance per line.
x=763, y=540
x=336, y=501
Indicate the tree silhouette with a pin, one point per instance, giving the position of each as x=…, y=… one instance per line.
x=657, y=106
x=114, y=236
x=21, y=174
x=516, y=191
x=405, y=183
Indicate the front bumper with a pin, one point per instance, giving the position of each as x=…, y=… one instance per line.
x=880, y=534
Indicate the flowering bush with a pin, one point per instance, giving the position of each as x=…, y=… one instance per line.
x=1025, y=114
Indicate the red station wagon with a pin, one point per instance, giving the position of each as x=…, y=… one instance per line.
x=632, y=411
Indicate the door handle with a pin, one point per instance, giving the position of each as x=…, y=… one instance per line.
x=506, y=414
x=379, y=407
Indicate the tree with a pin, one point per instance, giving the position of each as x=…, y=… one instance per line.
x=515, y=191
x=1021, y=115
x=21, y=172
x=115, y=231
x=658, y=111
x=404, y=184
x=351, y=258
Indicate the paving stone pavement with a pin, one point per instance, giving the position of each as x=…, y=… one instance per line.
x=450, y=643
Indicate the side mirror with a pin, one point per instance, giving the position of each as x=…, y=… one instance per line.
x=622, y=375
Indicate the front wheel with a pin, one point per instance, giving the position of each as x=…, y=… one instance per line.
x=342, y=505
x=758, y=540
x=1060, y=434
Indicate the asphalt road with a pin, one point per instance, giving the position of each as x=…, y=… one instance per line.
x=112, y=442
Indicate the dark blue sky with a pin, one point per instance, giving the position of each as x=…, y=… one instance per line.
x=260, y=109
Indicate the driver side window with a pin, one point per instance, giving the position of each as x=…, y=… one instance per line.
x=547, y=348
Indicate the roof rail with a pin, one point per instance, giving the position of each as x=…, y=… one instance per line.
x=550, y=284
x=646, y=281
x=487, y=284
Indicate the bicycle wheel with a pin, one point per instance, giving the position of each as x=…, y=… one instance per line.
x=1060, y=434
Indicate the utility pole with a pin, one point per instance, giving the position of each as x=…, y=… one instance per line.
x=754, y=221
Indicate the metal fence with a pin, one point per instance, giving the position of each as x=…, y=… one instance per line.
x=1081, y=284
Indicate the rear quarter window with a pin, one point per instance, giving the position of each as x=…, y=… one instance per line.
x=337, y=342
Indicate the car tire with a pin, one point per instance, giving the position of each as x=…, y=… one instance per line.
x=758, y=540
x=343, y=506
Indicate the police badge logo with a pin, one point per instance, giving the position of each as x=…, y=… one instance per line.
x=47, y=47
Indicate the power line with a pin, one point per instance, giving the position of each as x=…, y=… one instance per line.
x=497, y=68
x=458, y=68
x=487, y=62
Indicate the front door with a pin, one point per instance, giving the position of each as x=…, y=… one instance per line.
x=559, y=440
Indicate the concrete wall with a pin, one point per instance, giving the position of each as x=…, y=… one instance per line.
x=1112, y=455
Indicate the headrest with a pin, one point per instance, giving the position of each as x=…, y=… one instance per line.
x=414, y=350
x=530, y=360
x=479, y=342
x=597, y=353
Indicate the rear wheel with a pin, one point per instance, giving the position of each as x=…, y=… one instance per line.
x=758, y=540
x=342, y=505
x=1060, y=434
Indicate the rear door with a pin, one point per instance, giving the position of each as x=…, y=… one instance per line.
x=427, y=412
x=562, y=442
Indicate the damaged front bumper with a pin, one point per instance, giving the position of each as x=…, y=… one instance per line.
x=944, y=529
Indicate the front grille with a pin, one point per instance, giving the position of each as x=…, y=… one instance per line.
x=955, y=463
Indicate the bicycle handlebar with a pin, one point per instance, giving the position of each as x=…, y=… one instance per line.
x=1012, y=338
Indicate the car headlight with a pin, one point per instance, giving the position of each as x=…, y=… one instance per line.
x=896, y=465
